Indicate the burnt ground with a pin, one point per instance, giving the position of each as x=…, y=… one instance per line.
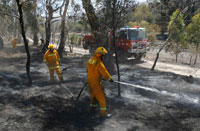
x=160, y=100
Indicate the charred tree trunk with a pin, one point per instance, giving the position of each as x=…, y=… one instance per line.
x=36, y=27
x=63, y=30
x=1, y=43
x=190, y=60
x=48, y=26
x=116, y=56
x=15, y=21
x=92, y=18
x=157, y=55
x=19, y=38
x=35, y=39
x=48, y=35
x=25, y=41
x=195, y=60
x=93, y=21
x=176, y=58
x=196, y=55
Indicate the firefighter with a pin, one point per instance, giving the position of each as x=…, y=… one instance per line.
x=14, y=42
x=96, y=70
x=52, y=59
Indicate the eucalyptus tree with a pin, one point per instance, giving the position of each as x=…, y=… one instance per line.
x=163, y=9
x=30, y=12
x=176, y=30
x=63, y=29
x=193, y=34
x=183, y=7
x=8, y=18
x=50, y=8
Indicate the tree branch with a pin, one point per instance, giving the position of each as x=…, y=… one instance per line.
x=4, y=13
x=56, y=17
x=56, y=9
x=54, y=21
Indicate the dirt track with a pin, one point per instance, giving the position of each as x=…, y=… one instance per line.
x=162, y=100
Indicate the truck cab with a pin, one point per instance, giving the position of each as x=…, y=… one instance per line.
x=132, y=41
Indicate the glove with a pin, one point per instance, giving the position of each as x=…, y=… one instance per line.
x=111, y=80
x=59, y=62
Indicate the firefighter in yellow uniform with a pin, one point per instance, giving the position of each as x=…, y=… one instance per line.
x=52, y=59
x=96, y=70
x=14, y=42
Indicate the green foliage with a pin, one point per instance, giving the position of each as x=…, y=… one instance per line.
x=74, y=39
x=142, y=13
x=176, y=29
x=7, y=25
x=193, y=32
x=30, y=16
x=79, y=40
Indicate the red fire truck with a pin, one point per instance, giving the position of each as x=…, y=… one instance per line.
x=129, y=41
x=132, y=41
x=88, y=40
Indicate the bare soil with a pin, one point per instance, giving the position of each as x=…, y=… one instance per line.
x=166, y=99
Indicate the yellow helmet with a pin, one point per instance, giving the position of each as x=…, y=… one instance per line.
x=51, y=46
x=101, y=50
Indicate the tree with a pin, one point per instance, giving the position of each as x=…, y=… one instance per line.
x=142, y=13
x=51, y=8
x=76, y=10
x=63, y=30
x=177, y=33
x=19, y=4
x=193, y=34
x=183, y=9
x=92, y=19
x=31, y=18
x=1, y=43
x=8, y=18
x=84, y=22
x=73, y=40
x=79, y=41
x=163, y=9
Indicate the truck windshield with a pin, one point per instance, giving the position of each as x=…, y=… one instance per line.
x=137, y=34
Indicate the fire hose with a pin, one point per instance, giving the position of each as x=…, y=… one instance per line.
x=137, y=86
x=179, y=96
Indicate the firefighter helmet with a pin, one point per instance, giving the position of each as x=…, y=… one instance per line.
x=51, y=46
x=101, y=50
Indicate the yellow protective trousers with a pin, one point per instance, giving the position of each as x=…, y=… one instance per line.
x=97, y=92
x=58, y=71
x=14, y=42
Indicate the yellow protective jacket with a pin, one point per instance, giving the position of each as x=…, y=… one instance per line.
x=96, y=70
x=14, y=42
x=52, y=59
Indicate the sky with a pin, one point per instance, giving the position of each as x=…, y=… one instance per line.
x=79, y=2
x=141, y=1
